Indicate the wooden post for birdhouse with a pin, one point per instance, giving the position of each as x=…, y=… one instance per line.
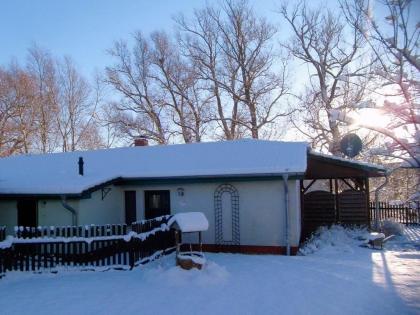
x=177, y=242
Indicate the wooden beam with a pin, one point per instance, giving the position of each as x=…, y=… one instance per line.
x=348, y=184
x=309, y=186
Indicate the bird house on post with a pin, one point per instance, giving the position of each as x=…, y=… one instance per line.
x=187, y=223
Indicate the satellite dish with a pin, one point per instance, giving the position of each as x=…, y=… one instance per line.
x=351, y=145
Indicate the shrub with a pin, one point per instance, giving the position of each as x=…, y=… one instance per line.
x=391, y=227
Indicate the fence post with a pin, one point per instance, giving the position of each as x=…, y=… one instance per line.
x=131, y=259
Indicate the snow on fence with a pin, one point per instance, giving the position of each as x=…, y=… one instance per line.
x=148, y=225
x=22, y=232
x=400, y=213
x=86, y=247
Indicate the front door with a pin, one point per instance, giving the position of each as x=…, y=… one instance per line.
x=130, y=206
x=157, y=203
x=26, y=212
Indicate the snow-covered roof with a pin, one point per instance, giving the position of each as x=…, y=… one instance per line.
x=349, y=161
x=57, y=173
x=190, y=222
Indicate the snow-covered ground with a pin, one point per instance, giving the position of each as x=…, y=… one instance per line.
x=335, y=277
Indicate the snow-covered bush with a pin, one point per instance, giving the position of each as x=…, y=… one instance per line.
x=391, y=227
x=334, y=239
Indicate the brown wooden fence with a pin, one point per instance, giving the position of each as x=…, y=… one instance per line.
x=400, y=213
x=321, y=208
x=86, y=247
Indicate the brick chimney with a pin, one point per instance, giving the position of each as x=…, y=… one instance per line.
x=141, y=142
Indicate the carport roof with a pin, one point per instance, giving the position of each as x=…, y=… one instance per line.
x=323, y=166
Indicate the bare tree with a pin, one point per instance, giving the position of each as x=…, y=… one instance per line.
x=45, y=107
x=180, y=88
x=41, y=67
x=9, y=141
x=338, y=68
x=162, y=95
x=247, y=47
x=233, y=50
x=112, y=126
x=25, y=109
x=138, y=111
x=201, y=44
x=394, y=40
x=76, y=109
x=17, y=112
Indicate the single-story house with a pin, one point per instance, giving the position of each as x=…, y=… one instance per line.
x=253, y=192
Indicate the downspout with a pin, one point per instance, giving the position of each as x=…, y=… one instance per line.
x=69, y=208
x=286, y=208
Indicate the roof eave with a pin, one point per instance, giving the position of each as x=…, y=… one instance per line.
x=374, y=171
x=157, y=180
x=209, y=178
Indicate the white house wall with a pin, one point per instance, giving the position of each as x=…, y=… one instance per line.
x=96, y=210
x=52, y=212
x=93, y=210
x=261, y=208
x=295, y=212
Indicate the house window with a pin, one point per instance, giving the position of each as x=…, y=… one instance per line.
x=155, y=201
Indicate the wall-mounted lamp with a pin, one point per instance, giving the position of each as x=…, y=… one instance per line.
x=180, y=192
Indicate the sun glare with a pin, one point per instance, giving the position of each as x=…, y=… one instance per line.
x=371, y=117
x=375, y=118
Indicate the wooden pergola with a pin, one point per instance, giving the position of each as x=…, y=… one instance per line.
x=345, y=199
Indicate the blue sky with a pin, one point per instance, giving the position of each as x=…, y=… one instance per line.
x=84, y=29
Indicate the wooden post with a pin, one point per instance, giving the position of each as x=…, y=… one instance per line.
x=131, y=248
x=337, y=210
x=177, y=242
x=367, y=201
x=199, y=241
x=302, y=196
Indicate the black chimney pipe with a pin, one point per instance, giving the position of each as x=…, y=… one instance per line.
x=81, y=171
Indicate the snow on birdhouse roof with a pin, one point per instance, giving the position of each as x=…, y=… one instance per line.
x=190, y=222
x=57, y=173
